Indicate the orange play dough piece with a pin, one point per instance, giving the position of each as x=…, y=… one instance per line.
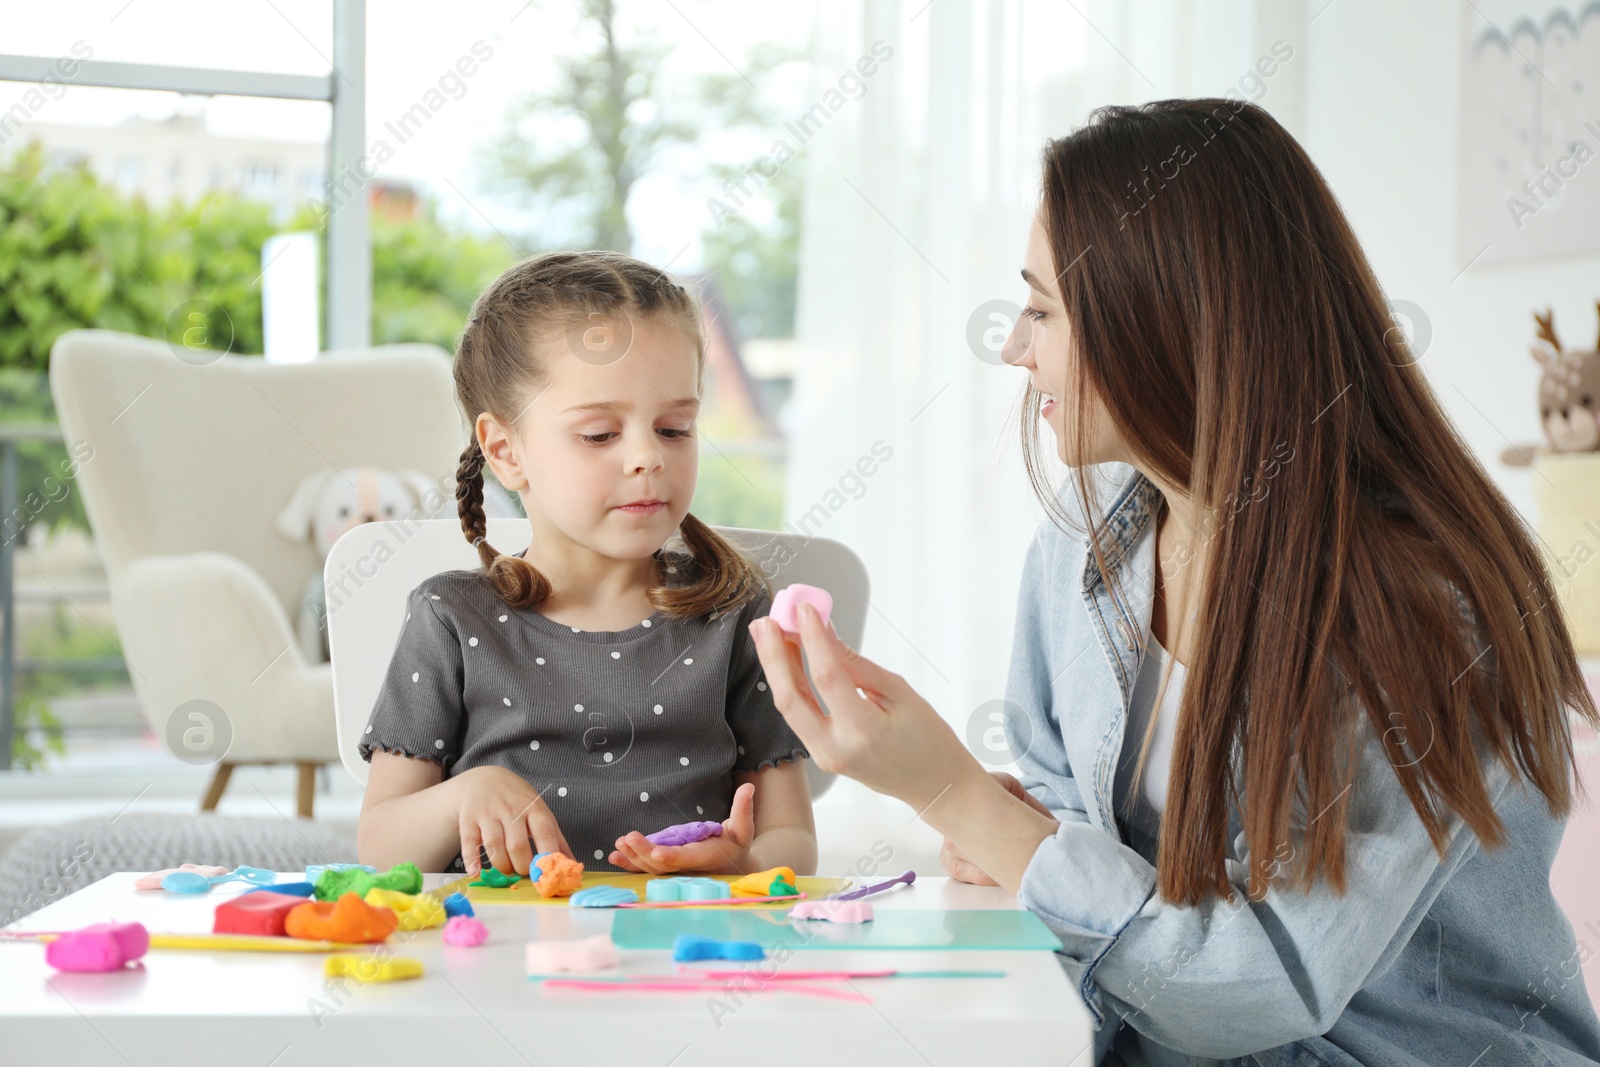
x=348, y=919
x=760, y=883
x=561, y=878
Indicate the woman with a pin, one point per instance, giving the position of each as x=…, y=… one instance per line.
x=1289, y=708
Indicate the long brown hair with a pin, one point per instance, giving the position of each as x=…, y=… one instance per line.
x=497, y=370
x=1223, y=312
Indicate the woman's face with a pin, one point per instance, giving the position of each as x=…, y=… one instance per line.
x=1041, y=342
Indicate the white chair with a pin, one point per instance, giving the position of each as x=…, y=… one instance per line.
x=184, y=469
x=372, y=568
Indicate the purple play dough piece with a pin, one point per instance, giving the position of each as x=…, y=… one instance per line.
x=685, y=833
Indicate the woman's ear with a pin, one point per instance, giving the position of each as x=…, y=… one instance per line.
x=498, y=454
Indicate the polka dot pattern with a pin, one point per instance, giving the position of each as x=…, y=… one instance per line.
x=534, y=745
x=644, y=796
x=616, y=655
x=561, y=792
x=472, y=642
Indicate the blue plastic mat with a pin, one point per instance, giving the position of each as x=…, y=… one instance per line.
x=657, y=928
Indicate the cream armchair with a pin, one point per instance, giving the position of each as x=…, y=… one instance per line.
x=184, y=469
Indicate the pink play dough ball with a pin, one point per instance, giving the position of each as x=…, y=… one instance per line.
x=465, y=931
x=791, y=597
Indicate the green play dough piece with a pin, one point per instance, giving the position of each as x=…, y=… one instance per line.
x=780, y=888
x=402, y=878
x=495, y=880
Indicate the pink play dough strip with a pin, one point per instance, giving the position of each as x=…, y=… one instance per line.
x=669, y=985
x=722, y=903
x=805, y=976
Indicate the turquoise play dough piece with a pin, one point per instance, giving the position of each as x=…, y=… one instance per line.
x=690, y=947
x=456, y=904
x=676, y=889
x=602, y=896
x=293, y=889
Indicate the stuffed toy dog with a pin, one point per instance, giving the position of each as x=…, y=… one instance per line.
x=329, y=503
x=1569, y=397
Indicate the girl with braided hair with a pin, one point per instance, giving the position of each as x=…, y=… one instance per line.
x=603, y=683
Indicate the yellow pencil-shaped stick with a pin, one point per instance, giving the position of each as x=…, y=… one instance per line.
x=224, y=942
x=252, y=943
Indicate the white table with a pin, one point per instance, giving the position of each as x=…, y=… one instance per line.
x=254, y=1009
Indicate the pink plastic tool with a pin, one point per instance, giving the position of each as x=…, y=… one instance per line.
x=153, y=881
x=101, y=947
x=791, y=597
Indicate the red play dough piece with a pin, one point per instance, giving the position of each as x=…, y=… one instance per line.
x=255, y=913
x=349, y=919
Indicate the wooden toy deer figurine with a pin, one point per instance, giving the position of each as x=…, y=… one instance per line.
x=1569, y=396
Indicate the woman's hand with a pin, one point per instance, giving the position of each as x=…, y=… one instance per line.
x=714, y=855
x=889, y=739
x=501, y=811
x=963, y=869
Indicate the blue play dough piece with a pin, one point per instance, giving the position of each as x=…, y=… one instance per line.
x=690, y=947
x=675, y=889
x=293, y=889
x=602, y=896
x=456, y=904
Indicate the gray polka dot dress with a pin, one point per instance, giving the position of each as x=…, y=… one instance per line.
x=622, y=730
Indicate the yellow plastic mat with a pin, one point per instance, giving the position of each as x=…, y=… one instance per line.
x=525, y=892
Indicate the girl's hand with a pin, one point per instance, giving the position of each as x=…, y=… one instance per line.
x=889, y=739
x=714, y=855
x=963, y=869
x=501, y=811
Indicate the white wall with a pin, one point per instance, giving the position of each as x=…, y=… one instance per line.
x=1382, y=115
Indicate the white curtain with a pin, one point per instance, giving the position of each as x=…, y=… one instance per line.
x=918, y=198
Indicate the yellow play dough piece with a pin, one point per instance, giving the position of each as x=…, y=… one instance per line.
x=760, y=883
x=414, y=913
x=368, y=968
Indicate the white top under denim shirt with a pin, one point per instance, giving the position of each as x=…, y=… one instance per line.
x=1465, y=961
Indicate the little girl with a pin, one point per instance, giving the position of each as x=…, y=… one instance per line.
x=596, y=687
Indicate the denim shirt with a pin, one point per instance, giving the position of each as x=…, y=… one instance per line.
x=1462, y=961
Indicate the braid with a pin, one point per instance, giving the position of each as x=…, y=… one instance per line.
x=518, y=581
x=469, y=501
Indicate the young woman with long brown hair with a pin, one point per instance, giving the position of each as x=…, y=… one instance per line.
x=1291, y=694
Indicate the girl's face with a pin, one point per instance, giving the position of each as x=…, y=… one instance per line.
x=1041, y=342
x=607, y=455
